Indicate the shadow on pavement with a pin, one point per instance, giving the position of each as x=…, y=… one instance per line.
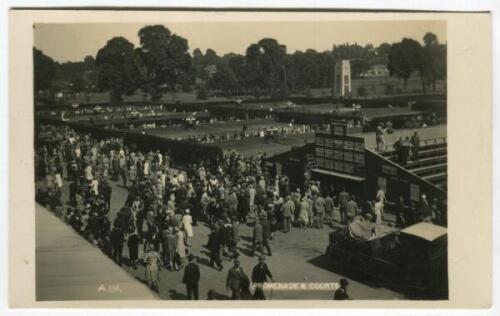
x=327, y=263
x=176, y=295
x=221, y=297
x=203, y=261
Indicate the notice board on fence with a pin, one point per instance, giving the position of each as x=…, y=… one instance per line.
x=414, y=192
x=340, y=153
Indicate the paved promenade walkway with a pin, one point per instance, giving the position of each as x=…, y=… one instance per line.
x=69, y=268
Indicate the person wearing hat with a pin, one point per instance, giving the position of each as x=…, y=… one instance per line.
x=424, y=210
x=169, y=245
x=106, y=190
x=343, y=200
x=288, y=209
x=232, y=202
x=180, y=247
x=158, y=159
x=258, y=237
x=214, y=244
x=133, y=248
x=237, y=281
x=153, y=266
x=296, y=200
x=75, y=219
x=341, y=292
x=304, y=213
x=378, y=210
x=266, y=232
x=379, y=137
x=72, y=192
x=352, y=208
x=211, y=295
x=191, y=278
x=117, y=240
x=319, y=210
x=235, y=234
x=187, y=222
x=329, y=206
x=251, y=196
x=260, y=274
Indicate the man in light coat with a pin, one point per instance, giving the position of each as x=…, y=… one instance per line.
x=288, y=210
x=319, y=207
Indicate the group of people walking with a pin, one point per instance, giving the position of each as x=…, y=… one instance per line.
x=163, y=205
x=157, y=211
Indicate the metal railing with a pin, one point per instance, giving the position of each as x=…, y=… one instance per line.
x=424, y=142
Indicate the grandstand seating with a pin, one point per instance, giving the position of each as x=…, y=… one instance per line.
x=432, y=163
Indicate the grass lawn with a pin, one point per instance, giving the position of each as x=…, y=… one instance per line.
x=383, y=86
x=217, y=128
x=377, y=86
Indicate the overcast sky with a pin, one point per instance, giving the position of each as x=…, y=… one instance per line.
x=72, y=42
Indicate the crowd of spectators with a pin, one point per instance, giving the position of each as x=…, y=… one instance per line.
x=164, y=204
x=78, y=113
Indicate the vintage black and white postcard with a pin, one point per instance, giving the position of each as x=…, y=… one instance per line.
x=274, y=158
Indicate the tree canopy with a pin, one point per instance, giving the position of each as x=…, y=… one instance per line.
x=162, y=63
x=44, y=70
x=118, y=70
x=404, y=59
x=408, y=57
x=433, y=64
x=165, y=59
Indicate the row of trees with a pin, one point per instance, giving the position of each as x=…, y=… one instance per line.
x=408, y=57
x=162, y=63
x=267, y=68
x=73, y=76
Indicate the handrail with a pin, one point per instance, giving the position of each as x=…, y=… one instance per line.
x=402, y=168
x=425, y=142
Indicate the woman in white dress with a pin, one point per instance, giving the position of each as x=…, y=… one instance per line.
x=378, y=210
x=187, y=222
x=180, y=248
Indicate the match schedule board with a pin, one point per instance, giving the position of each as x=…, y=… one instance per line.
x=340, y=153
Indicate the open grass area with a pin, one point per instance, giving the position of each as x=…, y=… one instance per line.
x=247, y=147
x=383, y=86
x=376, y=86
x=253, y=146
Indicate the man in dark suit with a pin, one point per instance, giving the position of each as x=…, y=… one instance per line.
x=341, y=292
x=106, y=193
x=72, y=192
x=214, y=245
x=260, y=273
x=191, y=278
x=117, y=240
